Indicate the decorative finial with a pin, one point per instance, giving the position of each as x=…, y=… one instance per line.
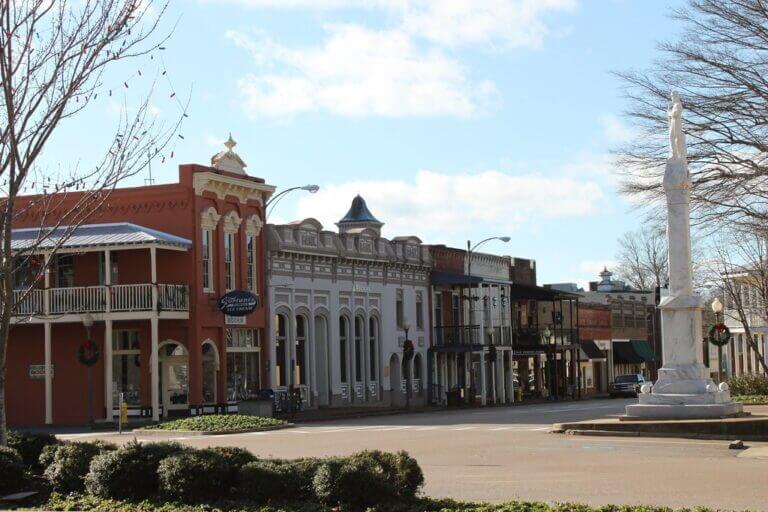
x=230, y=143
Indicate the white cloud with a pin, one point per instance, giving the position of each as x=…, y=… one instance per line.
x=357, y=72
x=495, y=23
x=594, y=267
x=615, y=130
x=436, y=205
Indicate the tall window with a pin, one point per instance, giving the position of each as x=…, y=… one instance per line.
x=343, y=333
x=229, y=263
x=207, y=250
x=399, y=314
x=112, y=268
x=373, y=349
x=455, y=310
x=438, y=310
x=126, y=368
x=209, y=374
x=281, y=365
x=419, y=311
x=359, y=327
x=251, y=255
x=242, y=364
x=65, y=274
x=301, y=351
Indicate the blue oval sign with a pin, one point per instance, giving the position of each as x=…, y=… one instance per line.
x=238, y=303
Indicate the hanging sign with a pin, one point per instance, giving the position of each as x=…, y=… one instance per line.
x=238, y=303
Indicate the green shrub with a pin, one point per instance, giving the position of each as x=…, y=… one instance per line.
x=218, y=423
x=299, y=475
x=130, y=472
x=30, y=445
x=367, y=478
x=71, y=463
x=194, y=476
x=12, y=473
x=46, y=455
x=262, y=481
x=749, y=385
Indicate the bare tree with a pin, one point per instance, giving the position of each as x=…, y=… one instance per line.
x=642, y=258
x=739, y=273
x=53, y=59
x=720, y=67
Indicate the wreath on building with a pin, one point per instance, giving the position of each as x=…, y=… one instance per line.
x=719, y=335
x=88, y=353
x=408, y=350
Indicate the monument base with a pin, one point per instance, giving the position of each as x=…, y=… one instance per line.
x=684, y=411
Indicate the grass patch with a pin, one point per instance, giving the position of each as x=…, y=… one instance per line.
x=93, y=504
x=751, y=399
x=219, y=423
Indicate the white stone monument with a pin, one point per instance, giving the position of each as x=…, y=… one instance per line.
x=684, y=389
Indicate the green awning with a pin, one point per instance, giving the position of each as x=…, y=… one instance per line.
x=624, y=353
x=644, y=349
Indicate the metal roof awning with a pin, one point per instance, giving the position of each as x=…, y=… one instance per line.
x=532, y=292
x=590, y=351
x=454, y=279
x=94, y=235
x=632, y=352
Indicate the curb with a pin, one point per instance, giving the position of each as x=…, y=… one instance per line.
x=157, y=431
x=691, y=435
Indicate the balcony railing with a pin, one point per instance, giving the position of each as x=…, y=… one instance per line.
x=468, y=335
x=101, y=299
x=534, y=337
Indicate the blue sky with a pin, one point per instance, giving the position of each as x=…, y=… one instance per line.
x=455, y=119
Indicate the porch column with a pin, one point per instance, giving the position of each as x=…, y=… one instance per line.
x=153, y=370
x=482, y=376
x=48, y=376
x=108, y=404
x=511, y=378
x=108, y=277
x=153, y=266
x=500, y=377
x=494, y=374
x=47, y=282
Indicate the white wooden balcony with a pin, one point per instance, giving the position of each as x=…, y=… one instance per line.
x=122, y=299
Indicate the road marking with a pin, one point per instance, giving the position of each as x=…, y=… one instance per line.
x=463, y=428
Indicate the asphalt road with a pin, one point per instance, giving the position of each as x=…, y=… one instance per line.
x=499, y=454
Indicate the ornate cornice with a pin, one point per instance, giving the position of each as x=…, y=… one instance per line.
x=253, y=225
x=209, y=218
x=232, y=222
x=243, y=189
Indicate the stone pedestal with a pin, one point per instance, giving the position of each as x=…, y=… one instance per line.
x=684, y=389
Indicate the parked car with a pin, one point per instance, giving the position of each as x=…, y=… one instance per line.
x=627, y=385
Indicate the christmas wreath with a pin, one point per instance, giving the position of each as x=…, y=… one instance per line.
x=408, y=350
x=88, y=353
x=719, y=335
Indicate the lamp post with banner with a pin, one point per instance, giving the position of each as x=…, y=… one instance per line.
x=88, y=354
x=719, y=336
x=408, y=353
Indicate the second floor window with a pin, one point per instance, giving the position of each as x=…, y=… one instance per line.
x=419, y=311
x=229, y=264
x=207, y=259
x=65, y=274
x=251, y=250
x=399, y=314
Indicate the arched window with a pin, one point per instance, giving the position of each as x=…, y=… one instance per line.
x=373, y=347
x=359, y=331
x=209, y=373
x=343, y=334
x=243, y=355
x=281, y=366
x=301, y=351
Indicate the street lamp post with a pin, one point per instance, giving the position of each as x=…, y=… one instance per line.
x=547, y=338
x=408, y=350
x=272, y=202
x=717, y=309
x=470, y=249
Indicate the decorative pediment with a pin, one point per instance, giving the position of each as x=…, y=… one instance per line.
x=232, y=222
x=223, y=186
x=253, y=225
x=209, y=218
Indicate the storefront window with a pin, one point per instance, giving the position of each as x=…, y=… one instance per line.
x=209, y=374
x=126, y=368
x=242, y=364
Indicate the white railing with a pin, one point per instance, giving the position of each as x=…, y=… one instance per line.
x=359, y=390
x=131, y=297
x=100, y=299
x=373, y=389
x=416, y=385
x=344, y=391
x=31, y=304
x=403, y=385
x=77, y=299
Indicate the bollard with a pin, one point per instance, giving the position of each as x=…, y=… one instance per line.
x=123, y=413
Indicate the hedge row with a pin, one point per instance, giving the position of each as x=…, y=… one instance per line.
x=750, y=384
x=175, y=473
x=93, y=504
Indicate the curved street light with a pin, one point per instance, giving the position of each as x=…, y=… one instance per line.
x=272, y=202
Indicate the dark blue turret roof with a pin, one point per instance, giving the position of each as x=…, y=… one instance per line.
x=359, y=212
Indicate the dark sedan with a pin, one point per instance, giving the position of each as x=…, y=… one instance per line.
x=627, y=385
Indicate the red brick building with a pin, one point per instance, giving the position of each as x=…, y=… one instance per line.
x=595, y=338
x=147, y=271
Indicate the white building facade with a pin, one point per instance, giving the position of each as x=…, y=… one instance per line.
x=340, y=303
